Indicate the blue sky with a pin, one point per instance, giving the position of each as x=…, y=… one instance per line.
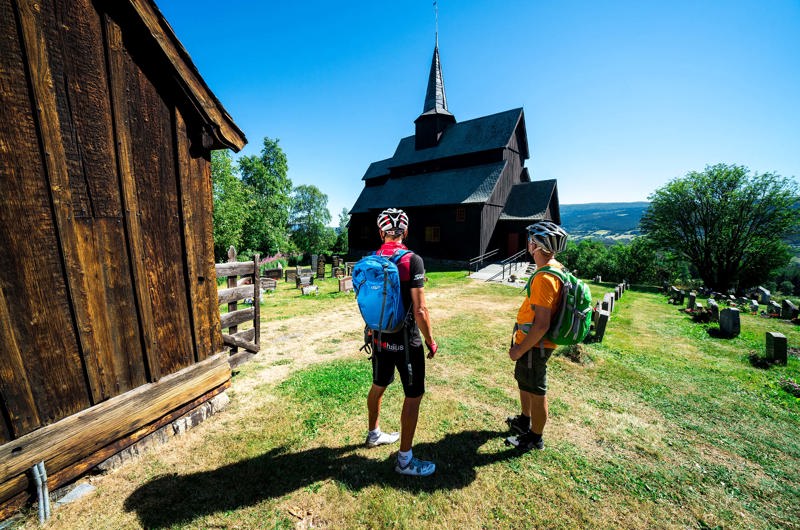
x=620, y=97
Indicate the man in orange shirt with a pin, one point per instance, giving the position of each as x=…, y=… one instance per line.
x=530, y=348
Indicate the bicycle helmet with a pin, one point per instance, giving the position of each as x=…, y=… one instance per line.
x=393, y=221
x=548, y=235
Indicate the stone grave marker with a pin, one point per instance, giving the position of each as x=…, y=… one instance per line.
x=754, y=306
x=268, y=284
x=314, y=260
x=788, y=310
x=336, y=261
x=310, y=289
x=304, y=281
x=729, y=324
x=338, y=272
x=290, y=274
x=616, y=293
x=774, y=308
x=605, y=305
x=348, y=267
x=692, y=301
x=275, y=274
x=764, y=296
x=345, y=284
x=713, y=308
x=598, y=279
x=600, y=327
x=776, y=347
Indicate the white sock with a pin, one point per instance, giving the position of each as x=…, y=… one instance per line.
x=404, y=457
x=375, y=433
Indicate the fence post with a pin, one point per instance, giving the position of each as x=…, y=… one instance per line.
x=232, y=306
x=257, y=297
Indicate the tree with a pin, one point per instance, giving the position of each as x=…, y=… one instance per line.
x=230, y=204
x=309, y=220
x=728, y=223
x=342, y=244
x=268, y=212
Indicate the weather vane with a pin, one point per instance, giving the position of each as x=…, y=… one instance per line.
x=436, y=14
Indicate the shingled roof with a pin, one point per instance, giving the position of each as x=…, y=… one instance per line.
x=529, y=201
x=454, y=186
x=471, y=136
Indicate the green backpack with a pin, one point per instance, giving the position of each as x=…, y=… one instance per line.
x=574, y=318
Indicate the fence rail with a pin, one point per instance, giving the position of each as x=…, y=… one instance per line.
x=477, y=261
x=243, y=281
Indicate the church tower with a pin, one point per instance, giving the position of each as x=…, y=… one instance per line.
x=435, y=117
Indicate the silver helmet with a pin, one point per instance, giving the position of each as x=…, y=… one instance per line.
x=548, y=235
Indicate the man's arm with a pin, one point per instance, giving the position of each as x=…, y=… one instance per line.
x=423, y=318
x=541, y=323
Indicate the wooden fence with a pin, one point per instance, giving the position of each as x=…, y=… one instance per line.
x=243, y=281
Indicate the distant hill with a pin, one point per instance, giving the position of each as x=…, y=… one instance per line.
x=606, y=221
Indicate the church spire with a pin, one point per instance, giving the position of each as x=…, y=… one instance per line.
x=435, y=118
x=435, y=97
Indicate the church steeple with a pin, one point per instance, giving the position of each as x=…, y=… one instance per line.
x=435, y=117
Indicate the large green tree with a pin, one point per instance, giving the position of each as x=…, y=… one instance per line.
x=729, y=223
x=265, y=228
x=309, y=220
x=342, y=244
x=230, y=204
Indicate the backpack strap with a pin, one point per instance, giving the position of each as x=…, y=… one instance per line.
x=555, y=271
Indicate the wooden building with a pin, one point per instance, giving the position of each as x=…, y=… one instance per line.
x=109, y=322
x=464, y=184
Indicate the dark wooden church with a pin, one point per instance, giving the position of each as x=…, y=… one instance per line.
x=464, y=185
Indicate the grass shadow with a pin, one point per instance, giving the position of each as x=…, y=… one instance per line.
x=717, y=333
x=173, y=499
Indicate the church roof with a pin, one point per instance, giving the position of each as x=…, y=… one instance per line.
x=529, y=201
x=453, y=186
x=471, y=136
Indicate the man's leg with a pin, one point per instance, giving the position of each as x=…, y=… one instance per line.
x=374, y=405
x=408, y=422
x=537, y=405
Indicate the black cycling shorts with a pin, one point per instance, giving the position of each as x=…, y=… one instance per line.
x=531, y=371
x=393, y=356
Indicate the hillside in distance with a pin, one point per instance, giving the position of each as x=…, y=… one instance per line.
x=605, y=221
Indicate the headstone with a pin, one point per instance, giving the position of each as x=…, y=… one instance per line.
x=754, y=306
x=774, y=308
x=600, y=327
x=729, y=322
x=598, y=279
x=320, y=267
x=269, y=284
x=336, y=260
x=290, y=274
x=304, y=281
x=310, y=289
x=348, y=267
x=275, y=274
x=788, y=310
x=692, y=300
x=338, y=272
x=713, y=309
x=616, y=293
x=314, y=258
x=776, y=347
x=763, y=295
x=610, y=298
x=346, y=284
x=605, y=305
x=681, y=296
x=698, y=307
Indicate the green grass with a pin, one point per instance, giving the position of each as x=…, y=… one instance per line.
x=664, y=426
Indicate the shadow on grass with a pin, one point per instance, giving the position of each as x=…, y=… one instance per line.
x=718, y=334
x=178, y=499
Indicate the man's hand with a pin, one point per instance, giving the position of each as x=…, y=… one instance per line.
x=515, y=352
x=432, y=348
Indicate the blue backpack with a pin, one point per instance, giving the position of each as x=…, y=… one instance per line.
x=376, y=282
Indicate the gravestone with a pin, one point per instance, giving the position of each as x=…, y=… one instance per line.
x=763, y=296
x=304, y=281
x=754, y=306
x=698, y=307
x=336, y=260
x=681, y=296
x=310, y=289
x=275, y=274
x=338, y=272
x=598, y=279
x=600, y=327
x=788, y=310
x=290, y=274
x=616, y=293
x=692, y=301
x=348, y=267
x=729, y=324
x=268, y=284
x=776, y=347
x=314, y=259
x=605, y=305
x=321, y=267
x=713, y=309
x=774, y=308
x=609, y=297
x=305, y=271
x=346, y=284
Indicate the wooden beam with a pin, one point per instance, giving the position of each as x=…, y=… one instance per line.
x=257, y=299
x=236, y=341
x=234, y=268
x=205, y=101
x=75, y=437
x=236, y=317
x=231, y=294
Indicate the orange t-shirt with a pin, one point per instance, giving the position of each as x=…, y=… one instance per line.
x=544, y=293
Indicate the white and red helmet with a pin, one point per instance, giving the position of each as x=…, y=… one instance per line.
x=393, y=221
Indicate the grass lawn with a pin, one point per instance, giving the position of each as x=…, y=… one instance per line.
x=662, y=426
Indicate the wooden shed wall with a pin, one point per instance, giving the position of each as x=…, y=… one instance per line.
x=107, y=269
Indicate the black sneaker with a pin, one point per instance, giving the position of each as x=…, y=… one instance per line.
x=525, y=442
x=519, y=423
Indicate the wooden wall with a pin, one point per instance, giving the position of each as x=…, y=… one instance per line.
x=107, y=269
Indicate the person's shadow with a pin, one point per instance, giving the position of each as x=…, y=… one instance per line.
x=178, y=499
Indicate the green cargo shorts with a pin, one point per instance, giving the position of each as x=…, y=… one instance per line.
x=531, y=371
